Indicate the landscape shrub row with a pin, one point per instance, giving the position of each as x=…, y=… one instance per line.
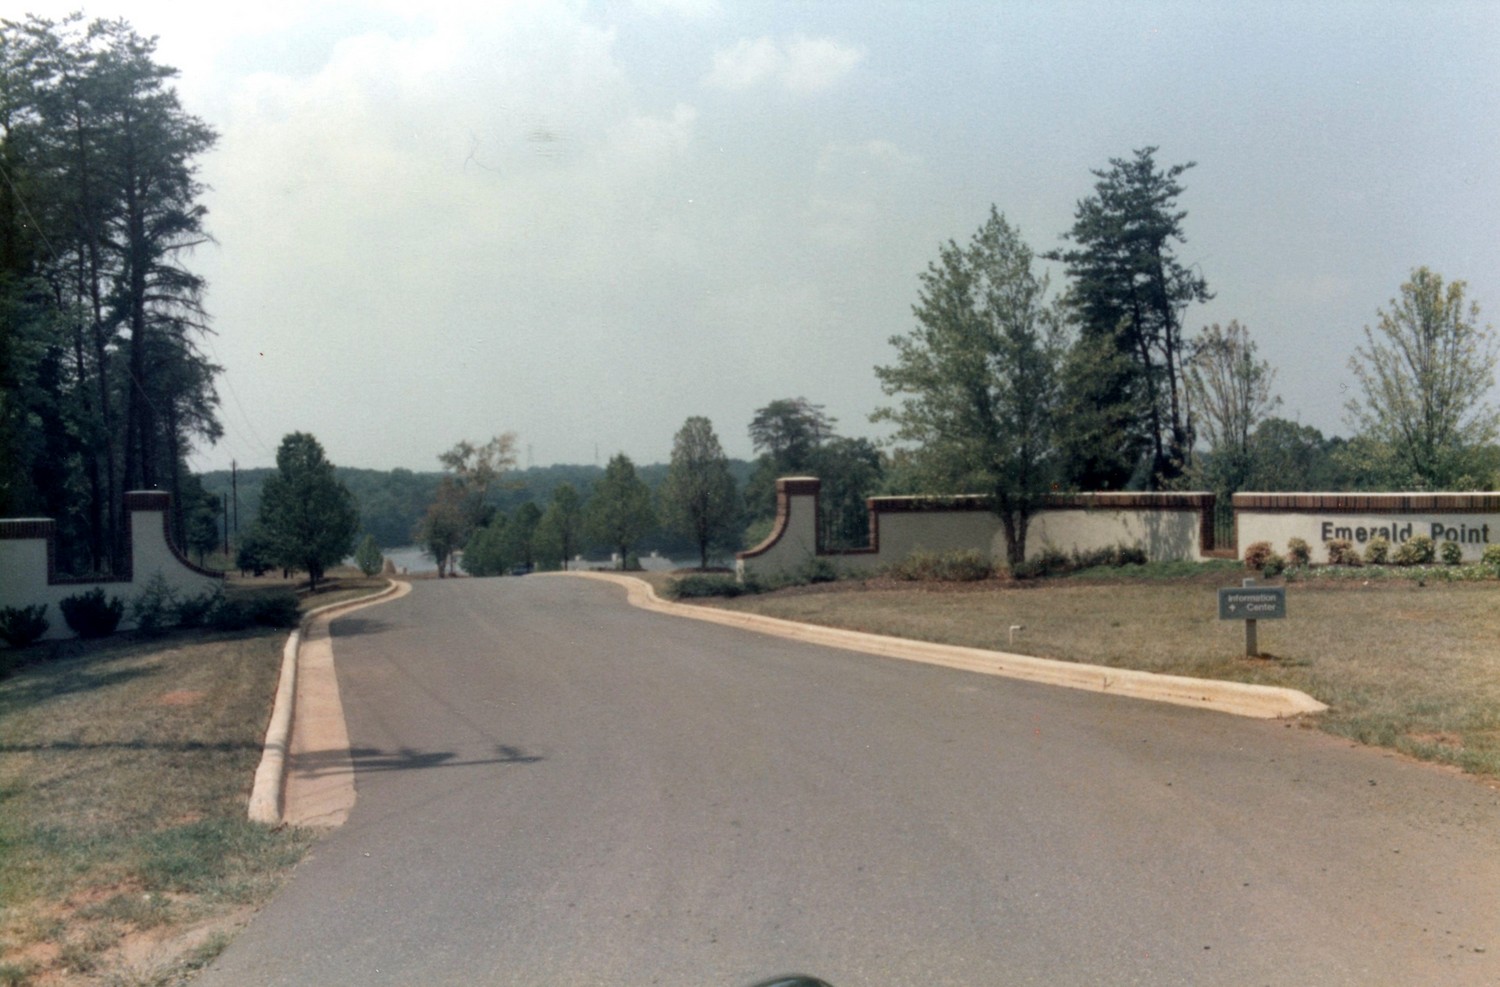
x=1418, y=550
x=156, y=609
x=964, y=566
x=704, y=585
x=958, y=566
x=1053, y=561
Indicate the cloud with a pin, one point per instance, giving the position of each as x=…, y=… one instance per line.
x=682, y=8
x=802, y=65
x=816, y=63
x=857, y=186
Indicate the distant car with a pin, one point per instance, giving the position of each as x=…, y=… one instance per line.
x=520, y=570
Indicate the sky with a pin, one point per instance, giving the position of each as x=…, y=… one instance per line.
x=586, y=222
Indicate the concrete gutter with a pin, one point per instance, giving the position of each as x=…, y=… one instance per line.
x=268, y=790
x=1237, y=698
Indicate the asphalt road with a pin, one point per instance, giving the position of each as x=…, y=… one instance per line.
x=557, y=789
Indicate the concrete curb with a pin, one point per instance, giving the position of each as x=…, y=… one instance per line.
x=266, y=802
x=265, y=794
x=1237, y=698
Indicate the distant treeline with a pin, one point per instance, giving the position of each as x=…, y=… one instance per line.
x=392, y=502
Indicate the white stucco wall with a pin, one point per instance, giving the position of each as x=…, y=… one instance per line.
x=1472, y=532
x=1166, y=535
x=1168, y=529
x=24, y=573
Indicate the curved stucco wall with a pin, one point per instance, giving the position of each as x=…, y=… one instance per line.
x=1167, y=526
x=27, y=568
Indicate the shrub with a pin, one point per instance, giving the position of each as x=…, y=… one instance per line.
x=1451, y=552
x=274, y=610
x=697, y=586
x=1256, y=554
x=816, y=570
x=1298, y=552
x=91, y=614
x=1378, y=552
x=155, y=609
x=228, y=615
x=195, y=611
x=1492, y=556
x=1341, y=551
x=1053, y=561
x=1274, y=566
x=1416, y=550
x=967, y=565
x=19, y=626
x=368, y=556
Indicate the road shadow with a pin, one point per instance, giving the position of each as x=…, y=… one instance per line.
x=353, y=626
x=316, y=763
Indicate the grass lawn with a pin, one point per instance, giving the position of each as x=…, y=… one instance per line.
x=126, y=856
x=1401, y=662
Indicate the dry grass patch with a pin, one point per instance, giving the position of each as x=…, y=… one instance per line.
x=1404, y=665
x=124, y=772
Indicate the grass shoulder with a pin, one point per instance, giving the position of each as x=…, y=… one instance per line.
x=125, y=766
x=1403, y=656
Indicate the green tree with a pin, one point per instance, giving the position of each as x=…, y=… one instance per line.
x=487, y=553
x=520, y=534
x=978, y=376
x=786, y=434
x=1129, y=287
x=203, y=529
x=1230, y=392
x=1103, y=446
x=253, y=555
x=461, y=504
x=447, y=524
x=561, y=527
x=308, y=516
x=475, y=471
x=1424, y=373
x=619, y=512
x=1287, y=455
x=698, y=497
x=852, y=470
x=97, y=211
x=368, y=556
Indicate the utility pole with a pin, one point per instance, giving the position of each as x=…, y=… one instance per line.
x=234, y=484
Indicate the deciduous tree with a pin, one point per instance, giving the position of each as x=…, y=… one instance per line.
x=307, y=515
x=978, y=376
x=698, y=496
x=1424, y=372
x=1229, y=388
x=561, y=528
x=619, y=512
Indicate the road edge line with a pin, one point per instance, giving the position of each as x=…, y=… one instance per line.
x=1236, y=698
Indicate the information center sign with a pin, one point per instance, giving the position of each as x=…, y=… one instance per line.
x=1252, y=603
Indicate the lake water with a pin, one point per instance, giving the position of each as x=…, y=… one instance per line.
x=414, y=560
